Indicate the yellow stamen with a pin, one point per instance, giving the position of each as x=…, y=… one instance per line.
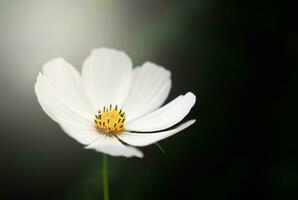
x=110, y=120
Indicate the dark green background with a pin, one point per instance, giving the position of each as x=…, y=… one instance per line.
x=238, y=57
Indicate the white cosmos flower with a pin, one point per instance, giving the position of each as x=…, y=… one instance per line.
x=112, y=107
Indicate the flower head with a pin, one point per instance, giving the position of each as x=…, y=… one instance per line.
x=111, y=107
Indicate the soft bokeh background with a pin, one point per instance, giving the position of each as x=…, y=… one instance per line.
x=238, y=57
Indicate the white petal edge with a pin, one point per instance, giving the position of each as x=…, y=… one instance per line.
x=111, y=146
x=165, y=117
x=53, y=106
x=144, y=139
x=67, y=83
x=107, y=75
x=84, y=136
x=150, y=88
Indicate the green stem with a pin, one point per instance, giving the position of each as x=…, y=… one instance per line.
x=105, y=177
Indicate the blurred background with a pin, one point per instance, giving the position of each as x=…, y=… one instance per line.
x=238, y=57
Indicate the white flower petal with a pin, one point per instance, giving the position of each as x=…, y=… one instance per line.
x=144, y=139
x=150, y=88
x=164, y=117
x=68, y=84
x=52, y=104
x=107, y=74
x=82, y=135
x=111, y=146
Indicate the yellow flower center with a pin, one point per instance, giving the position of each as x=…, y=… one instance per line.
x=110, y=120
